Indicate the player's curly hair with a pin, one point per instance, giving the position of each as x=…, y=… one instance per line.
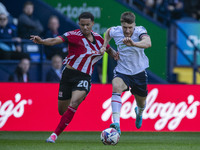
x=86, y=15
x=127, y=17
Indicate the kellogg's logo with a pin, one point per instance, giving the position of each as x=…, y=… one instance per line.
x=170, y=114
x=10, y=107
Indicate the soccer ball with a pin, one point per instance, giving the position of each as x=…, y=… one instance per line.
x=110, y=136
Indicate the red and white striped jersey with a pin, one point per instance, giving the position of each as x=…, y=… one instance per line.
x=82, y=54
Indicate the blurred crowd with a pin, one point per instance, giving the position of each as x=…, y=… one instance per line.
x=166, y=10
x=14, y=32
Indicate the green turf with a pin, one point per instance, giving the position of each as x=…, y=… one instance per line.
x=91, y=141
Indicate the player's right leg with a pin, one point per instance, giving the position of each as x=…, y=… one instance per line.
x=52, y=138
x=118, y=87
x=63, y=105
x=116, y=126
x=74, y=87
x=62, y=108
x=77, y=98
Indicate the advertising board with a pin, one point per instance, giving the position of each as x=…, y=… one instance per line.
x=33, y=107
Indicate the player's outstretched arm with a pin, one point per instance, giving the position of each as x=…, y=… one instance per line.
x=107, y=39
x=48, y=41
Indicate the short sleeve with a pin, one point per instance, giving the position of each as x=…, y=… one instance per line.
x=64, y=38
x=142, y=32
x=113, y=30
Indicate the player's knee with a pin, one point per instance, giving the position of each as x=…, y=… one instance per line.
x=74, y=104
x=116, y=88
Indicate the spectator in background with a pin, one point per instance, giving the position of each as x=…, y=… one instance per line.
x=172, y=9
x=55, y=73
x=21, y=73
x=3, y=10
x=176, y=9
x=192, y=8
x=150, y=5
x=61, y=49
x=27, y=23
x=9, y=50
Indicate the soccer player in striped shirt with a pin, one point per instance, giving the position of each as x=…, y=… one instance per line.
x=131, y=40
x=83, y=54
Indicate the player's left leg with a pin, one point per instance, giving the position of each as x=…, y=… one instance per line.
x=141, y=101
x=139, y=90
x=118, y=86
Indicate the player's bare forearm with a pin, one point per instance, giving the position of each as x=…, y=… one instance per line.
x=113, y=53
x=144, y=43
x=48, y=41
x=52, y=41
x=107, y=38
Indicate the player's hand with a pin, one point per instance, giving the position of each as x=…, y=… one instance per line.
x=128, y=41
x=116, y=57
x=36, y=39
x=102, y=50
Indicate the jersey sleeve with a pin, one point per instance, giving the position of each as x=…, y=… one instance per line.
x=142, y=32
x=66, y=37
x=113, y=30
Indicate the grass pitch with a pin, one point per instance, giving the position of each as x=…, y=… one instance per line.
x=91, y=141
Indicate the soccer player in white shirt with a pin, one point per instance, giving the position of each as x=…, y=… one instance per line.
x=131, y=40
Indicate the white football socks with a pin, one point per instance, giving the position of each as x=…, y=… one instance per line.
x=116, y=104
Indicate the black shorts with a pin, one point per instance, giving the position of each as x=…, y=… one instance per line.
x=73, y=80
x=137, y=82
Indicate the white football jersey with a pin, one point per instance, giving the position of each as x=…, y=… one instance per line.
x=132, y=60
